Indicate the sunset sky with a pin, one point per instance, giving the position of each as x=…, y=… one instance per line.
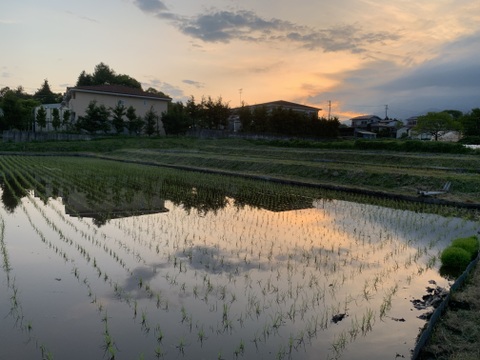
x=414, y=56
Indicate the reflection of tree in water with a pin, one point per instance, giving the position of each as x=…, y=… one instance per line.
x=205, y=198
x=108, y=194
x=13, y=192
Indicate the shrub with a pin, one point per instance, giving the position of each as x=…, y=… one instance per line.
x=455, y=257
x=469, y=244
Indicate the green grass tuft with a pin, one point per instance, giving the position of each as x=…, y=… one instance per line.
x=469, y=244
x=455, y=257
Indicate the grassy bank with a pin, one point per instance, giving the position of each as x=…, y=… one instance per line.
x=457, y=334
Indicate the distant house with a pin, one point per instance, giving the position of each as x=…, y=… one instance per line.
x=286, y=105
x=387, y=128
x=364, y=121
x=235, y=124
x=364, y=124
x=49, y=112
x=78, y=98
x=411, y=122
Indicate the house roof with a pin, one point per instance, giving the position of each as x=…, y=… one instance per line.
x=286, y=104
x=119, y=90
x=365, y=117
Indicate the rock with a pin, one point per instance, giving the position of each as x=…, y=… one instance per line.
x=338, y=317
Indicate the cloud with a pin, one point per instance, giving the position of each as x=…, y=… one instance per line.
x=171, y=90
x=153, y=6
x=82, y=17
x=224, y=26
x=447, y=81
x=197, y=84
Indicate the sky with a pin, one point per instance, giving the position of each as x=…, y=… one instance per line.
x=399, y=58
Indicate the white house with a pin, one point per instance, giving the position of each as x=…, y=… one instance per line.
x=49, y=110
x=78, y=98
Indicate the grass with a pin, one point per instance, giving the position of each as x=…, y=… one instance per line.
x=457, y=334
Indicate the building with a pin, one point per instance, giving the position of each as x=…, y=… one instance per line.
x=364, y=121
x=78, y=98
x=387, y=128
x=235, y=124
x=49, y=112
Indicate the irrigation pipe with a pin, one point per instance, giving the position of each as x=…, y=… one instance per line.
x=427, y=331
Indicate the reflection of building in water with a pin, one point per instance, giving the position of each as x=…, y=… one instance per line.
x=274, y=202
x=78, y=204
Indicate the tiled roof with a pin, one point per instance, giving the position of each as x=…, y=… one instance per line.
x=283, y=104
x=118, y=89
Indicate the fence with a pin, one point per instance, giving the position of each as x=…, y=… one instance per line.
x=26, y=136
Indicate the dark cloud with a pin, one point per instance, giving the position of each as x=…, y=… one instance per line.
x=226, y=26
x=448, y=81
x=154, y=6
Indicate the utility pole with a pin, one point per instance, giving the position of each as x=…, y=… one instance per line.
x=240, y=92
x=386, y=112
x=329, y=108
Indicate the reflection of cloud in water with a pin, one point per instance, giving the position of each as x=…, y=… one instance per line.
x=140, y=274
x=214, y=261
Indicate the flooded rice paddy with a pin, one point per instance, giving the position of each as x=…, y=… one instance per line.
x=102, y=260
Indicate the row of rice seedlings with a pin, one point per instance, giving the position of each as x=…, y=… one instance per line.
x=16, y=310
x=109, y=345
x=90, y=238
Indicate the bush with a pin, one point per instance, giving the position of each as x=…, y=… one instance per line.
x=455, y=257
x=469, y=244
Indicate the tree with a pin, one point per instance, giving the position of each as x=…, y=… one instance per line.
x=209, y=114
x=151, y=122
x=176, y=120
x=151, y=90
x=471, y=123
x=84, y=79
x=18, y=109
x=95, y=118
x=118, y=112
x=56, y=122
x=135, y=123
x=66, y=119
x=436, y=123
x=245, y=117
x=42, y=117
x=193, y=111
x=45, y=95
x=103, y=75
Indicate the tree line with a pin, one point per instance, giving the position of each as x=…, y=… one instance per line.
x=215, y=115
x=438, y=123
x=17, y=112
